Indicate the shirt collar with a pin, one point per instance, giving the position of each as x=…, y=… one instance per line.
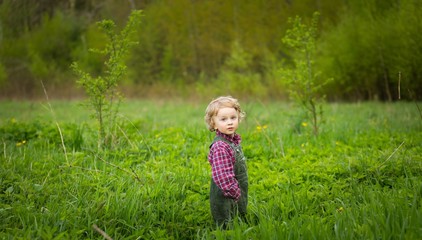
x=236, y=139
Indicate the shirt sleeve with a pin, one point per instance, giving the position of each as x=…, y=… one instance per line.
x=222, y=163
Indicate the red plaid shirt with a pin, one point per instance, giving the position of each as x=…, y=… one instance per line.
x=222, y=160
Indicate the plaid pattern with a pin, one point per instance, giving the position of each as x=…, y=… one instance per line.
x=222, y=159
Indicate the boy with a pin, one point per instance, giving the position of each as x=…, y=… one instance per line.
x=229, y=183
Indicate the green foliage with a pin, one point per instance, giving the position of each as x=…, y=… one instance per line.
x=48, y=55
x=186, y=31
x=3, y=74
x=104, y=98
x=91, y=38
x=360, y=180
x=22, y=133
x=42, y=53
x=236, y=77
x=302, y=81
x=364, y=45
x=368, y=49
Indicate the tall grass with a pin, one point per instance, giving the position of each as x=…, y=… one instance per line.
x=359, y=179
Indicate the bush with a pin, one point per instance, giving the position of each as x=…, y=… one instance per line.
x=236, y=76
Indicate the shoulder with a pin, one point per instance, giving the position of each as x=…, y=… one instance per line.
x=220, y=145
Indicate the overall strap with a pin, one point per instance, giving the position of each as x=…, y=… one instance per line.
x=220, y=138
x=237, y=149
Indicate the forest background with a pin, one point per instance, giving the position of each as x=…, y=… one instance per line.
x=371, y=49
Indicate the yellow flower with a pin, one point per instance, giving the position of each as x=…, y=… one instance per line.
x=259, y=128
x=18, y=144
x=305, y=124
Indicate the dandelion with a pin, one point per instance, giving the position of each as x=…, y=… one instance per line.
x=259, y=128
x=304, y=124
x=18, y=144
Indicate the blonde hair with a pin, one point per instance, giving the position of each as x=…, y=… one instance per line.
x=217, y=104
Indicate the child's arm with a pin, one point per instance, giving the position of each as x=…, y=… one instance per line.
x=222, y=163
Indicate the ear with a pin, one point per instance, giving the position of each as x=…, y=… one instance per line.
x=212, y=124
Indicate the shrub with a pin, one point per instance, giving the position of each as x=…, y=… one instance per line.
x=104, y=98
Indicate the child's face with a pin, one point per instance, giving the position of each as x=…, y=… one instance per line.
x=226, y=120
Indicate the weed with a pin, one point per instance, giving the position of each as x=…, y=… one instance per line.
x=104, y=98
x=359, y=180
x=302, y=81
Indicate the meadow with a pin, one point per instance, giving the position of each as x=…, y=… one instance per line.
x=359, y=179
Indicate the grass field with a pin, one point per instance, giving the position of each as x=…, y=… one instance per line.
x=359, y=179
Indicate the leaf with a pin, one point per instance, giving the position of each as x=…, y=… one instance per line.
x=9, y=190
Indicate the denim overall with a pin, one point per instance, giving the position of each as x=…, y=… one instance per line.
x=223, y=209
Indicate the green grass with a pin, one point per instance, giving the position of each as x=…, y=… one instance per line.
x=360, y=179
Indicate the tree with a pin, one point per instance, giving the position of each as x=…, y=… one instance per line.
x=104, y=97
x=302, y=80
